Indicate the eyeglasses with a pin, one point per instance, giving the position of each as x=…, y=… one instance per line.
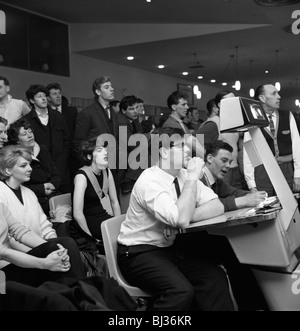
x=26, y=133
x=180, y=145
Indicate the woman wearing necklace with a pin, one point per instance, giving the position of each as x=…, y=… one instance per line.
x=88, y=210
x=20, y=203
x=44, y=180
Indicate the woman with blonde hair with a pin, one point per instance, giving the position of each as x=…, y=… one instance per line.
x=20, y=204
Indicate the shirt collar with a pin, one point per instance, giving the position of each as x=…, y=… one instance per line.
x=209, y=176
x=164, y=176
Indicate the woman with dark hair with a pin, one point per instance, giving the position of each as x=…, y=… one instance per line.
x=88, y=210
x=44, y=180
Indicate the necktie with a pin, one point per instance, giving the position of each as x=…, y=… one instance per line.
x=177, y=187
x=272, y=126
x=108, y=112
x=214, y=186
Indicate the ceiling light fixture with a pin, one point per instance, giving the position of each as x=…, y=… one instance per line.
x=277, y=84
x=130, y=58
x=237, y=84
x=224, y=84
x=161, y=66
x=200, y=77
x=213, y=81
x=251, y=92
x=197, y=65
x=185, y=73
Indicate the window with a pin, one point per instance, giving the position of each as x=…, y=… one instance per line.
x=34, y=43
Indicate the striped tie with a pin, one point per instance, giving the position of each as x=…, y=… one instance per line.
x=272, y=126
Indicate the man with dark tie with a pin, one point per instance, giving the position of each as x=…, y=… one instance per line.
x=147, y=255
x=218, y=157
x=128, y=119
x=97, y=118
x=283, y=138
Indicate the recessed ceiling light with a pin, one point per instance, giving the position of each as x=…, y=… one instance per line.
x=148, y=0
x=224, y=84
x=130, y=58
x=161, y=66
x=213, y=81
x=267, y=71
x=200, y=77
x=185, y=73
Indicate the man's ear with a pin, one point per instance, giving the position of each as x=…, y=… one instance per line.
x=173, y=107
x=209, y=158
x=98, y=92
x=31, y=101
x=8, y=89
x=163, y=153
x=262, y=98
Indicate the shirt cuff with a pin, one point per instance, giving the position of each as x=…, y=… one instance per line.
x=297, y=173
x=251, y=184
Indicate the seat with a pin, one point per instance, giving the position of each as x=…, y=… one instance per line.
x=110, y=231
x=62, y=199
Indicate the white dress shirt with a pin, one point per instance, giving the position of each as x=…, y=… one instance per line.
x=14, y=110
x=152, y=216
x=249, y=169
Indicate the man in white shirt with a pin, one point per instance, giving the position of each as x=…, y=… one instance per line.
x=11, y=109
x=283, y=138
x=147, y=255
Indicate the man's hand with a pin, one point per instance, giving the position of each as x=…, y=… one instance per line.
x=195, y=168
x=254, y=199
x=296, y=186
x=251, y=199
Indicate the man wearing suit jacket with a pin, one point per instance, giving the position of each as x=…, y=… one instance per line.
x=128, y=117
x=50, y=130
x=55, y=100
x=60, y=103
x=218, y=157
x=98, y=118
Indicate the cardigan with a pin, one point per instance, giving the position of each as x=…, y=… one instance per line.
x=30, y=214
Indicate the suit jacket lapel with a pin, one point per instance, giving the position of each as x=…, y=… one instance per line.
x=100, y=112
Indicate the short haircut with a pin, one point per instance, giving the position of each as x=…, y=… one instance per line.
x=9, y=157
x=220, y=96
x=210, y=106
x=174, y=98
x=14, y=130
x=146, y=126
x=5, y=80
x=55, y=86
x=98, y=82
x=87, y=148
x=163, y=137
x=214, y=148
x=259, y=91
x=140, y=100
x=128, y=101
x=35, y=89
x=114, y=103
x=3, y=120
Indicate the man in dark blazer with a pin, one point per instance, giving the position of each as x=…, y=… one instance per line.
x=98, y=118
x=58, y=102
x=128, y=118
x=218, y=157
x=50, y=130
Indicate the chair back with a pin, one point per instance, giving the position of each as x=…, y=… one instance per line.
x=110, y=231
